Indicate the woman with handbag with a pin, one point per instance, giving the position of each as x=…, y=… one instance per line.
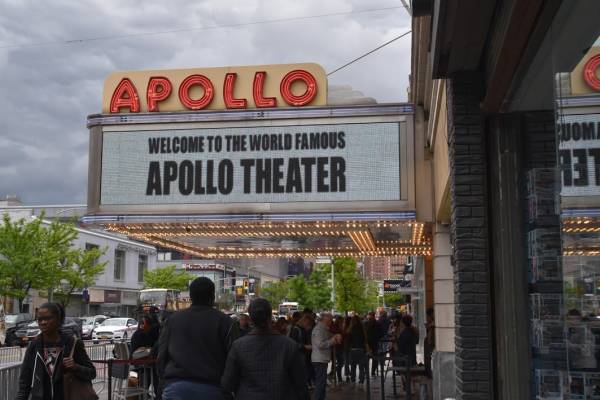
x=56, y=366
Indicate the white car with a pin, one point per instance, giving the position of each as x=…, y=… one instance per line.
x=115, y=329
x=89, y=323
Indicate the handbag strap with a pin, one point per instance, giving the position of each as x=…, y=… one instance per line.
x=73, y=347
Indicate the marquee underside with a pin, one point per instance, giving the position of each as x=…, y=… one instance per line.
x=297, y=236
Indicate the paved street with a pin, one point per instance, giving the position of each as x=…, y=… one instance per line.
x=347, y=391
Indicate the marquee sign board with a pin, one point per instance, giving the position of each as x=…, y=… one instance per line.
x=579, y=154
x=361, y=162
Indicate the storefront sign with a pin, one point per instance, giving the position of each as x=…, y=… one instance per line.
x=262, y=86
x=129, y=298
x=579, y=154
x=271, y=164
x=394, y=285
x=112, y=296
x=96, y=295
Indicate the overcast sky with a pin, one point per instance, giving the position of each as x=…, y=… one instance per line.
x=47, y=91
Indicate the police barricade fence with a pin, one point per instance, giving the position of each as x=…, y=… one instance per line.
x=10, y=355
x=401, y=372
x=9, y=380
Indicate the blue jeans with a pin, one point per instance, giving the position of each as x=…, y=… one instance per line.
x=320, y=380
x=184, y=390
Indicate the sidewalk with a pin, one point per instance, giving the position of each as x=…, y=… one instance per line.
x=347, y=391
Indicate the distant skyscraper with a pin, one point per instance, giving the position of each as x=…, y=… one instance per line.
x=380, y=268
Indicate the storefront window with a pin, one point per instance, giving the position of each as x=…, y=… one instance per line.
x=565, y=262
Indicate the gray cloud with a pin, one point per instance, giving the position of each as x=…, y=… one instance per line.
x=47, y=91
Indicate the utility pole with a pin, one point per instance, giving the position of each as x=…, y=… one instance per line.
x=332, y=287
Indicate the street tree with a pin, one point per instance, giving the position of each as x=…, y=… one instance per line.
x=350, y=287
x=393, y=300
x=275, y=292
x=371, y=297
x=298, y=290
x=77, y=271
x=319, y=289
x=314, y=292
x=31, y=255
x=167, y=278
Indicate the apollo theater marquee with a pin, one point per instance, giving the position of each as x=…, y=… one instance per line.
x=252, y=162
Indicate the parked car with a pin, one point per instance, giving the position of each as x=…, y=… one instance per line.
x=14, y=335
x=90, y=323
x=115, y=329
x=12, y=320
x=70, y=327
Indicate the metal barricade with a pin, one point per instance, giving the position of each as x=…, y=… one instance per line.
x=119, y=384
x=9, y=355
x=9, y=381
x=400, y=368
x=99, y=353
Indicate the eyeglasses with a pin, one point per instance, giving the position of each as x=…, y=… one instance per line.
x=41, y=319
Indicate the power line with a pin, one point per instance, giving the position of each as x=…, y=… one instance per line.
x=199, y=28
x=366, y=54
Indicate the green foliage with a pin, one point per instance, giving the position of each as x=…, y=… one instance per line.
x=371, y=296
x=319, y=289
x=314, y=292
x=35, y=256
x=275, y=292
x=393, y=300
x=79, y=270
x=298, y=290
x=167, y=278
x=352, y=292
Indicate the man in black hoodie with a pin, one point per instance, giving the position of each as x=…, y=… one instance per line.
x=193, y=347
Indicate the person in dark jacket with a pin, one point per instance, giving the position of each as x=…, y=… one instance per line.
x=357, y=342
x=265, y=364
x=193, y=347
x=146, y=338
x=47, y=358
x=408, y=338
x=374, y=334
x=244, y=323
x=339, y=350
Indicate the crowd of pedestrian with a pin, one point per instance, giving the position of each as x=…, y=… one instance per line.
x=201, y=353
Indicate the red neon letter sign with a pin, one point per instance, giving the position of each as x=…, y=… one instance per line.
x=589, y=72
x=125, y=96
x=159, y=88
x=184, y=92
x=286, y=87
x=230, y=101
x=257, y=92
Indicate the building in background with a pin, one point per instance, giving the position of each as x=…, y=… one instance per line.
x=380, y=268
x=299, y=266
x=116, y=289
